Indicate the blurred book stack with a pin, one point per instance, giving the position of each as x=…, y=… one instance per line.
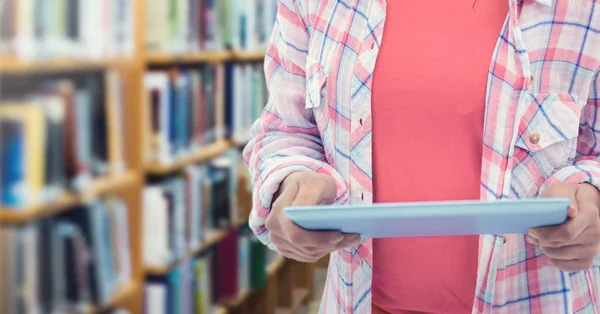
x=82, y=29
x=191, y=26
x=182, y=211
x=69, y=262
x=54, y=135
x=183, y=113
x=197, y=248
x=235, y=267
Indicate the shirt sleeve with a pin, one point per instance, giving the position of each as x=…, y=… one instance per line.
x=586, y=166
x=285, y=138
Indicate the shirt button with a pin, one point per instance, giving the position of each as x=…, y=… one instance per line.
x=372, y=45
x=534, y=138
x=531, y=79
x=504, y=239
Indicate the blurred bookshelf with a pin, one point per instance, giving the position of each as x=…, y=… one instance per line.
x=120, y=159
x=201, y=155
x=205, y=57
x=13, y=65
x=68, y=200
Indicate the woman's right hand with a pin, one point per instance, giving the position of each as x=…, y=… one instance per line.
x=298, y=189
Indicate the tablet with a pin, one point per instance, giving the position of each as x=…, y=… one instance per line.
x=425, y=219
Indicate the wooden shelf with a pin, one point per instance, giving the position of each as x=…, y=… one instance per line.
x=124, y=294
x=97, y=188
x=275, y=266
x=205, y=57
x=220, y=310
x=239, y=300
x=210, y=241
x=298, y=299
x=14, y=65
x=203, y=155
x=248, y=56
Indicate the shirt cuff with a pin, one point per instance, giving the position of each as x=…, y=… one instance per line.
x=587, y=171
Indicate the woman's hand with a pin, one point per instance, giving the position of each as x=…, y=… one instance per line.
x=304, y=188
x=573, y=245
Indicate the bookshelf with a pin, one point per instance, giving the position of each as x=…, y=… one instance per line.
x=11, y=65
x=282, y=293
x=211, y=239
x=202, y=155
x=123, y=294
x=68, y=200
x=205, y=57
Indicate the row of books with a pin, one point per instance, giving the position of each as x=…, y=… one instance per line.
x=196, y=286
x=182, y=107
x=180, y=211
x=58, y=133
x=90, y=29
x=66, y=263
x=245, y=98
x=190, y=108
x=189, y=26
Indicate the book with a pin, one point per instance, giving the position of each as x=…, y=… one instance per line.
x=13, y=181
x=221, y=204
x=155, y=299
x=204, y=292
x=23, y=159
x=157, y=251
x=228, y=285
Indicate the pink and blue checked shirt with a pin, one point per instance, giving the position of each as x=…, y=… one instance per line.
x=542, y=126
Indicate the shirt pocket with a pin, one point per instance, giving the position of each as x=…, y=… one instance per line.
x=546, y=140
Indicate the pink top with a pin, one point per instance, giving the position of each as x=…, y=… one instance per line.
x=430, y=79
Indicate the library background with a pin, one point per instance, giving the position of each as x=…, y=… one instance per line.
x=122, y=187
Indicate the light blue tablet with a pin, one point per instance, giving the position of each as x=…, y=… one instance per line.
x=425, y=219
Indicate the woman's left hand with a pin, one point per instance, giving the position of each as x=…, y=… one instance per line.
x=573, y=245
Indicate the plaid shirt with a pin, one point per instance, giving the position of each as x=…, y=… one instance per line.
x=542, y=126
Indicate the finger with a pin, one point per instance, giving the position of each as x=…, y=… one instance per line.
x=295, y=252
x=531, y=240
x=287, y=195
x=308, y=251
x=296, y=257
x=572, y=265
x=571, y=252
x=350, y=240
x=298, y=236
x=568, y=232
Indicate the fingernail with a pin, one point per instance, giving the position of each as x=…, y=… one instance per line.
x=530, y=240
x=572, y=211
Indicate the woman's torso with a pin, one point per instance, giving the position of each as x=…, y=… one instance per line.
x=439, y=96
x=555, y=42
